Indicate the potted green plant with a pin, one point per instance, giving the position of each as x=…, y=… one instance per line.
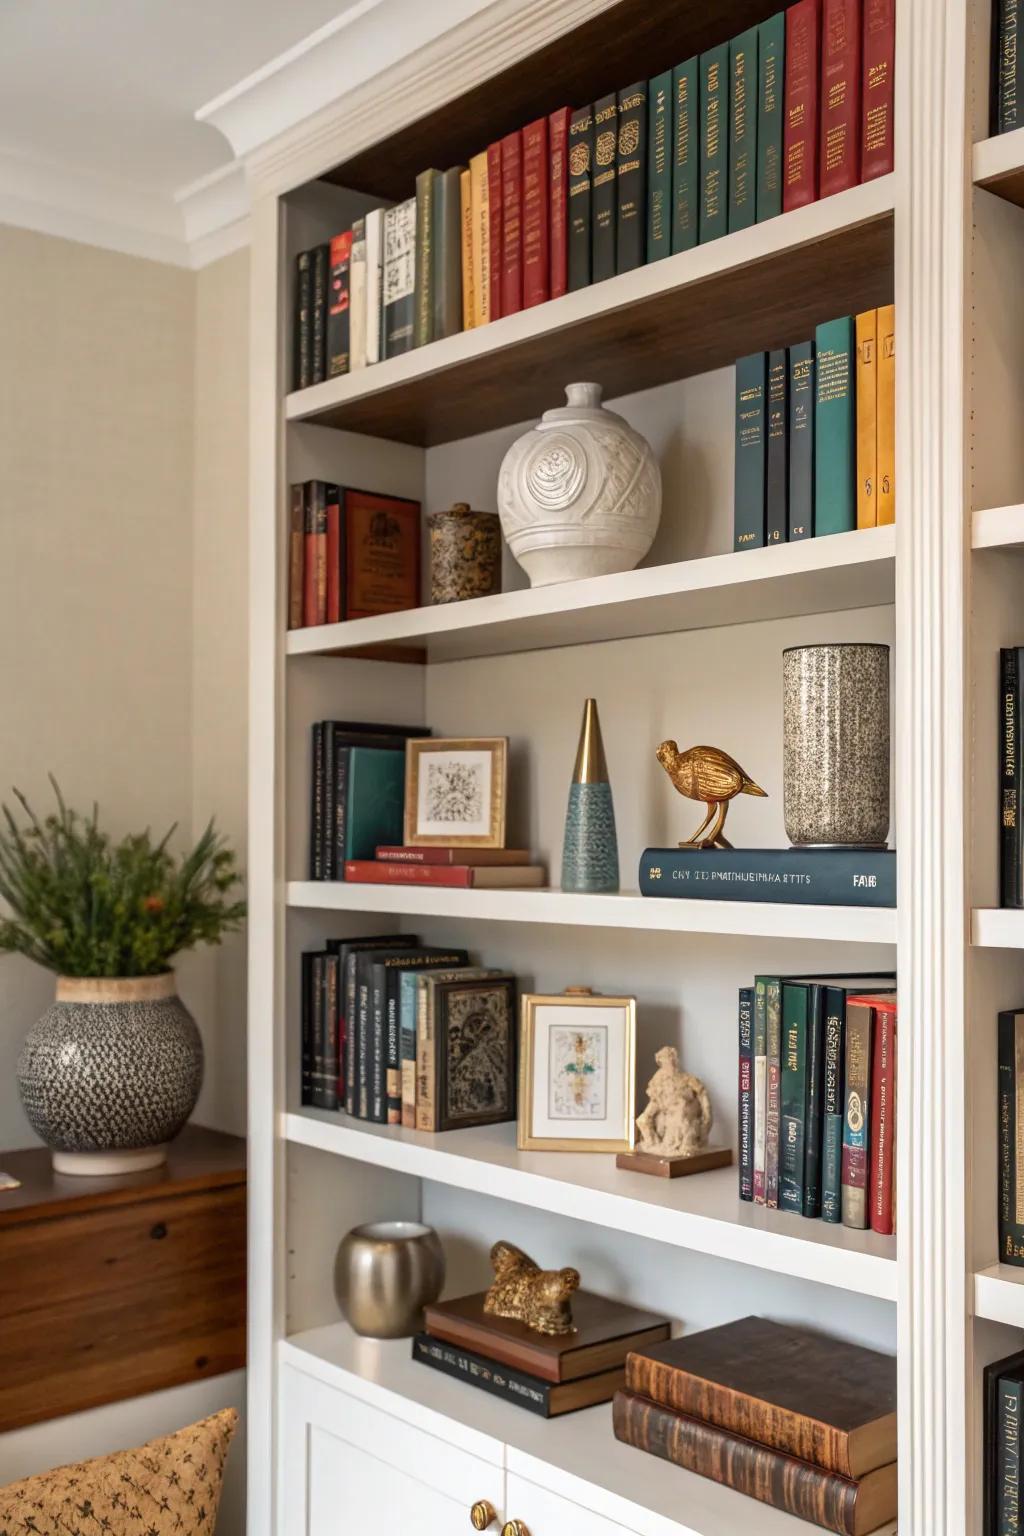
x=111, y=1072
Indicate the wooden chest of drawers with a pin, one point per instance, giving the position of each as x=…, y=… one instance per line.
x=110, y=1288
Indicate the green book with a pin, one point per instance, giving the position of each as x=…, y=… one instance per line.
x=801, y=441
x=447, y=236
x=685, y=157
x=426, y=254
x=659, y=167
x=771, y=73
x=714, y=143
x=751, y=455
x=793, y=1097
x=743, y=96
x=835, y=427
x=376, y=800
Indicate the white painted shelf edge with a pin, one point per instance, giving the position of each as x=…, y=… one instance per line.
x=998, y=155
x=998, y=527
x=997, y=928
x=999, y=1294
x=802, y=226
x=575, y=1456
x=703, y=1213
x=756, y=919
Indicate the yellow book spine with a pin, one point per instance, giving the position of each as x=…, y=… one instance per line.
x=481, y=239
x=887, y=414
x=466, y=240
x=867, y=419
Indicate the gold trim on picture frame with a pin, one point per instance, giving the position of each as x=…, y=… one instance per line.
x=524, y=1117
x=419, y=746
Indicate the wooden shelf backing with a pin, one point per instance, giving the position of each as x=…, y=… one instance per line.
x=997, y=928
x=758, y=288
x=998, y=528
x=848, y=570
x=999, y=1294
x=999, y=166
x=703, y=1213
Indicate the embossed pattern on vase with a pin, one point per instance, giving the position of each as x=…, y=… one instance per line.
x=590, y=853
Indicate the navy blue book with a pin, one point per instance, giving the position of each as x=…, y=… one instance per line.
x=826, y=877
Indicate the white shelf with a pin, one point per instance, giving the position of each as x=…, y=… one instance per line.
x=826, y=575
x=577, y=1456
x=997, y=928
x=999, y=1294
x=999, y=165
x=703, y=1213
x=998, y=527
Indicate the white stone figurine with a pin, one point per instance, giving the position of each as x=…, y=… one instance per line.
x=677, y=1121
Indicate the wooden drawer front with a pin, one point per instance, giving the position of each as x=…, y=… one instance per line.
x=349, y=1469
x=548, y=1514
x=120, y=1301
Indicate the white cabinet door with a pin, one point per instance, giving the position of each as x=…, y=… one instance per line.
x=547, y=1514
x=350, y=1469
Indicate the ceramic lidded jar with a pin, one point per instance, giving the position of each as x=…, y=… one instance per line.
x=465, y=554
x=580, y=493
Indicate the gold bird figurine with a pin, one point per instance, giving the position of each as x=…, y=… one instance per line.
x=711, y=775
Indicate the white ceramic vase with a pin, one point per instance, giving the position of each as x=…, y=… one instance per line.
x=580, y=493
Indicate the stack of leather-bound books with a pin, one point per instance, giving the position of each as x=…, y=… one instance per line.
x=799, y=1421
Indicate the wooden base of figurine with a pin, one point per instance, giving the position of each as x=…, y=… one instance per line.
x=674, y=1167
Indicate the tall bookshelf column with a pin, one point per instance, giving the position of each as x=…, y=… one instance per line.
x=932, y=170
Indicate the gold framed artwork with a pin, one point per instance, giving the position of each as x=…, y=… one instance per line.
x=455, y=792
x=577, y=1073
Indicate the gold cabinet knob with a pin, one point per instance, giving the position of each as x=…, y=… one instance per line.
x=514, y=1528
x=482, y=1515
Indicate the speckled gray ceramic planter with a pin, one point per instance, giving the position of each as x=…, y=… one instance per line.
x=111, y=1072
x=836, y=744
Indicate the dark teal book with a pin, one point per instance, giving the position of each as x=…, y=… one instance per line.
x=375, y=800
x=1008, y=1491
x=751, y=451
x=815, y=1089
x=631, y=178
x=746, y=1092
x=685, y=156
x=604, y=201
x=714, y=143
x=793, y=1097
x=659, y=167
x=801, y=441
x=835, y=428
x=777, y=472
x=771, y=74
x=743, y=93
x=828, y=877
x=992, y=1379
x=1006, y=103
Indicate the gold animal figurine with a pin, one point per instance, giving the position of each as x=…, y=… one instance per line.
x=711, y=775
x=528, y=1294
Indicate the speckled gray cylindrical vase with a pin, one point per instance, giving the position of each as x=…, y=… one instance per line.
x=590, y=849
x=111, y=1072
x=836, y=745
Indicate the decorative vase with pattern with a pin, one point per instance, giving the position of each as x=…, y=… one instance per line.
x=836, y=745
x=580, y=493
x=590, y=850
x=111, y=1072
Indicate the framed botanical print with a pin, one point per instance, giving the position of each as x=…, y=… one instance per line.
x=455, y=792
x=577, y=1073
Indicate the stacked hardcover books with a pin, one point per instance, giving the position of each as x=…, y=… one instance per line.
x=546, y=1375
x=1004, y=1404
x=804, y=1423
x=351, y=554
x=794, y=109
x=816, y=433
x=817, y=1097
x=478, y=868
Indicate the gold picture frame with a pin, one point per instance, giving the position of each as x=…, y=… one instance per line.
x=476, y=770
x=567, y=1054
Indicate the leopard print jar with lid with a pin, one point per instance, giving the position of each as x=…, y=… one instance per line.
x=465, y=554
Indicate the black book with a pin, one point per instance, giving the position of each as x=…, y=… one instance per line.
x=1005, y=93
x=815, y=1092
x=546, y=1398
x=370, y=1039
x=604, y=202
x=385, y=1041
x=306, y=1016
x=801, y=441
x=447, y=254
x=1011, y=771
x=581, y=169
x=318, y=1064
x=339, y=307
x=1011, y=1188
x=777, y=516
x=303, y=361
x=325, y=1072
x=347, y=951
x=318, y=803
x=631, y=178
x=321, y=283
x=1010, y=1369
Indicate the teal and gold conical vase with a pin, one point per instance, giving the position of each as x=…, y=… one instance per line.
x=590, y=851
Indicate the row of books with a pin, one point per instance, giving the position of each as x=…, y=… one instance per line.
x=357, y=796
x=1005, y=101
x=797, y=1420
x=1011, y=776
x=796, y=108
x=401, y=1033
x=816, y=433
x=817, y=1097
x=351, y=554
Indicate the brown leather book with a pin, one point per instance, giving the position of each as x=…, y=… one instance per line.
x=835, y=1503
x=604, y=1333
x=819, y=1399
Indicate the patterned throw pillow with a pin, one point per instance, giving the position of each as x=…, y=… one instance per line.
x=170, y=1485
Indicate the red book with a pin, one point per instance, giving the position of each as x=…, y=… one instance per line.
x=877, y=156
x=511, y=223
x=536, y=211
x=800, y=119
x=370, y=872
x=334, y=555
x=840, y=95
x=883, y=1115
x=403, y=854
x=495, y=236
x=558, y=185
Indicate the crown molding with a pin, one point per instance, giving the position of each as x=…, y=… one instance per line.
x=215, y=214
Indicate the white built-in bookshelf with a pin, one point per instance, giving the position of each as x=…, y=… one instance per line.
x=690, y=645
